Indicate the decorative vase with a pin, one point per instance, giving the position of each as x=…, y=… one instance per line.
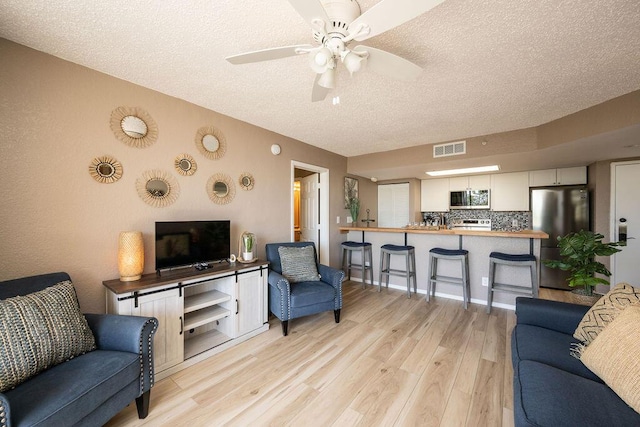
x=247, y=256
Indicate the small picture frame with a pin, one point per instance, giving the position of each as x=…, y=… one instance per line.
x=350, y=190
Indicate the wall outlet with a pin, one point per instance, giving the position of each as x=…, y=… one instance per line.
x=485, y=281
x=337, y=220
x=514, y=222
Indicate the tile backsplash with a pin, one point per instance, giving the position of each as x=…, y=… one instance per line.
x=499, y=220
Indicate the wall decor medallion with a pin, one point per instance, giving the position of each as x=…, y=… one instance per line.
x=134, y=126
x=211, y=142
x=105, y=169
x=157, y=188
x=185, y=164
x=221, y=189
x=246, y=181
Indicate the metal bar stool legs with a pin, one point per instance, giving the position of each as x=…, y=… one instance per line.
x=410, y=266
x=367, y=257
x=519, y=260
x=455, y=255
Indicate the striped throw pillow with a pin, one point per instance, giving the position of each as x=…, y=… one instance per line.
x=298, y=264
x=40, y=330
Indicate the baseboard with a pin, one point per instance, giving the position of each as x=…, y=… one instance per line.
x=446, y=296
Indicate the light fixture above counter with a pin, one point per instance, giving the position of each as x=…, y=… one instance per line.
x=478, y=169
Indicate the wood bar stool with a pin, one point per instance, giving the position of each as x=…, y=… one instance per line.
x=518, y=260
x=367, y=260
x=409, y=272
x=461, y=255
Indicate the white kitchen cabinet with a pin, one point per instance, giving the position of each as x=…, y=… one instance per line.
x=473, y=182
x=199, y=313
x=562, y=176
x=510, y=191
x=434, y=195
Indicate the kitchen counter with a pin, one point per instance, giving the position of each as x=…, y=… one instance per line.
x=479, y=243
x=522, y=234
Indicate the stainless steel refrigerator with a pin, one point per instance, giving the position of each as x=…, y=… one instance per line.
x=557, y=211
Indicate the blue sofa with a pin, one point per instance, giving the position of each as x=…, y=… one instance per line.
x=89, y=389
x=551, y=387
x=292, y=300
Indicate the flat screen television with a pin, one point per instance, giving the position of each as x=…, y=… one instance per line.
x=186, y=243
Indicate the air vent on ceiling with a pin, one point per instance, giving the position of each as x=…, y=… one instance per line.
x=450, y=149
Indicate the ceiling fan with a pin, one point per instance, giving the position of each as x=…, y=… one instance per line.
x=336, y=24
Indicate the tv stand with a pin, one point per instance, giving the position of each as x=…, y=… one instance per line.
x=200, y=312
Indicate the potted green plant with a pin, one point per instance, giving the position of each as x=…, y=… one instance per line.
x=578, y=253
x=354, y=209
x=248, y=240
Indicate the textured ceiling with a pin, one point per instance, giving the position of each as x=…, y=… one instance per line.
x=489, y=66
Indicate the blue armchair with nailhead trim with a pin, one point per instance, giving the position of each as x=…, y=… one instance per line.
x=293, y=300
x=91, y=388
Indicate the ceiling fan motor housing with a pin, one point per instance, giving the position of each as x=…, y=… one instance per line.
x=341, y=13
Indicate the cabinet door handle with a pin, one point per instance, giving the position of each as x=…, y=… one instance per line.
x=237, y=306
x=181, y=325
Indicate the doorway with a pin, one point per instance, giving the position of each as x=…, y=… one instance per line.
x=625, y=221
x=311, y=213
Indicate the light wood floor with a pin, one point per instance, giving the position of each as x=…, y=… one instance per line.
x=391, y=361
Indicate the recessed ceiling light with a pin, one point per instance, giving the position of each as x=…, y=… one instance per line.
x=492, y=168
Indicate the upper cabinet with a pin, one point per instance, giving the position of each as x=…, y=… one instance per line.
x=510, y=191
x=563, y=176
x=434, y=195
x=474, y=182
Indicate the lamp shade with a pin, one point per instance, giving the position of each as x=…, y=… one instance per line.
x=130, y=255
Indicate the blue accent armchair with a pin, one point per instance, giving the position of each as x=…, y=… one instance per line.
x=89, y=389
x=292, y=300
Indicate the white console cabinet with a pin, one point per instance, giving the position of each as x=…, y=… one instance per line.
x=200, y=313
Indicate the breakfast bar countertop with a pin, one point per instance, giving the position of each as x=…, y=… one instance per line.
x=522, y=234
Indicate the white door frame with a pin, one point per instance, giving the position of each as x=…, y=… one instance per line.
x=323, y=250
x=613, y=217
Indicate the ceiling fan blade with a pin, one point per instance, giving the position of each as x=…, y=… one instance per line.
x=388, y=64
x=310, y=10
x=389, y=14
x=319, y=93
x=267, y=54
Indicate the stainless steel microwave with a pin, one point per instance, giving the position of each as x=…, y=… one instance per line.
x=469, y=199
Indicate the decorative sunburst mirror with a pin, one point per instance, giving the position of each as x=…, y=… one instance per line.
x=157, y=188
x=134, y=126
x=185, y=165
x=105, y=169
x=211, y=142
x=221, y=189
x=246, y=181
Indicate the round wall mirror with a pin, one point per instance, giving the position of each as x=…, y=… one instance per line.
x=211, y=142
x=220, y=189
x=246, y=181
x=185, y=165
x=157, y=188
x=105, y=169
x=134, y=126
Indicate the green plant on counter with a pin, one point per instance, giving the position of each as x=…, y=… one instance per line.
x=577, y=253
x=354, y=208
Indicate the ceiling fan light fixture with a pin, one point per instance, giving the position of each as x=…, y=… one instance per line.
x=352, y=62
x=321, y=60
x=328, y=79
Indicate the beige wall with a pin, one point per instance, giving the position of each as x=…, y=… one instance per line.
x=54, y=119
